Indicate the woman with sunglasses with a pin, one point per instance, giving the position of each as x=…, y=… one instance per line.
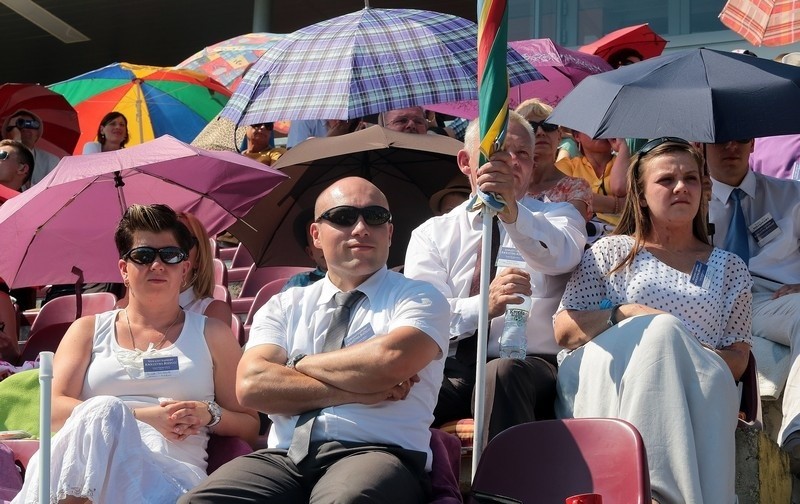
x=657, y=324
x=136, y=391
x=548, y=183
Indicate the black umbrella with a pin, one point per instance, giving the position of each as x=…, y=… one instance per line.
x=408, y=168
x=701, y=95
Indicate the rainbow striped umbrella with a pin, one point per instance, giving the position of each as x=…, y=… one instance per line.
x=227, y=61
x=156, y=101
x=493, y=120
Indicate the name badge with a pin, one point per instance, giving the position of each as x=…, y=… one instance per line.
x=160, y=367
x=764, y=230
x=362, y=334
x=509, y=257
x=703, y=275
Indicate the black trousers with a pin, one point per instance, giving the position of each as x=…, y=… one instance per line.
x=331, y=472
x=517, y=391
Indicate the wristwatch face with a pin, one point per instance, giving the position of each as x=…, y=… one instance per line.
x=216, y=413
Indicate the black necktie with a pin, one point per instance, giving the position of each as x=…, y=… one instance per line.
x=334, y=340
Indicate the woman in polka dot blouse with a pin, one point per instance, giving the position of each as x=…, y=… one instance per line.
x=656, y=323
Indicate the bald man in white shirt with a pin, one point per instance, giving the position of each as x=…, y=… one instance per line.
x=771, y=209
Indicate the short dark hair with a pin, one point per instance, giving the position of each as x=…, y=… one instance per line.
x=301, y=224
x=24, y=155
x=619, y=58
x=156, y=218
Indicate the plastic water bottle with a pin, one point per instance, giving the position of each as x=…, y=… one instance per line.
x=514, y=340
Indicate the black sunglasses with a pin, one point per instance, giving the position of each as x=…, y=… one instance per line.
x=546, y=126
x=346, y=215
x=652, y=144
x=147, y=255
x=267, y=125
x=4, y=155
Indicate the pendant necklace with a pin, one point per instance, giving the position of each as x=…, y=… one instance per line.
x=163, y=338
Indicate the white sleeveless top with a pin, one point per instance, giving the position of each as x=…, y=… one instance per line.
x=190, y=302
x=119, y=372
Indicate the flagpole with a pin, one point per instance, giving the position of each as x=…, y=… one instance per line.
x=493, y=120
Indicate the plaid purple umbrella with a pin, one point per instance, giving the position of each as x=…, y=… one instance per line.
x=364, y=63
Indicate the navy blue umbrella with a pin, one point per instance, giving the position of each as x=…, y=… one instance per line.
x=701, y=95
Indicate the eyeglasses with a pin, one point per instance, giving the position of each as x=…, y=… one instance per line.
x=147, y=255
x=652, y=144
x=546, y=126
x=4, y=155
x=267, y=125
x=346, y=215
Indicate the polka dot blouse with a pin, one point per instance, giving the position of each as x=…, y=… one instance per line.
x=717, y=316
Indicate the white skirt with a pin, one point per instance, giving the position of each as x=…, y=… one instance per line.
x=681, y=396
x=105, y=455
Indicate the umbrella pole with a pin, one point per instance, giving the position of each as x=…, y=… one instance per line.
x=483, y=337
x=45, y=395
x=138, y=84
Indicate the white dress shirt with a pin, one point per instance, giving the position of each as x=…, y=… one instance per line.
x=779, y=259
x=549, y=236
x=297, y=320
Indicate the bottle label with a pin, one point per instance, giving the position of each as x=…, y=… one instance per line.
x=517, y=317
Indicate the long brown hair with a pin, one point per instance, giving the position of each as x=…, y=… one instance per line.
x=635, y=220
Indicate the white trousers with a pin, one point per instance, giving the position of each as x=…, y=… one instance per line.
x=681, y=396
x=778, y=320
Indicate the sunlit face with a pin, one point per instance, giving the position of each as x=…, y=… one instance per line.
x=672, y=188
x=407, y=120
x=258, y=135
x=12, y=172
x=352, y=252
x=156, y=277
x=115, y=131
x=519, y=144
x=544, y=154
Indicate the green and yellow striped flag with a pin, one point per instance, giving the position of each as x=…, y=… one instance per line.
x=492, y=75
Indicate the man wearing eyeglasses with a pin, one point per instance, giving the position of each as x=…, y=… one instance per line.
x=758, y=217
x=16, y=164
x=547, y=238
x=26, y=127
x=350, y=417
x=407, y=120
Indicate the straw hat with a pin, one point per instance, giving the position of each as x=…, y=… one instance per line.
x=458, y=185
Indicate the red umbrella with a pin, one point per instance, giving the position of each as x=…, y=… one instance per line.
x=61, y=130
x=640, y=37
x=770, y=22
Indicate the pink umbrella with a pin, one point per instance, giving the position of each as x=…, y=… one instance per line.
x=63, y=226
x=563, y=69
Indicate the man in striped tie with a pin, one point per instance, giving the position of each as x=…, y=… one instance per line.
x=758, y=217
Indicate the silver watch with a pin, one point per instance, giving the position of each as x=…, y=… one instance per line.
x=215, y=411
